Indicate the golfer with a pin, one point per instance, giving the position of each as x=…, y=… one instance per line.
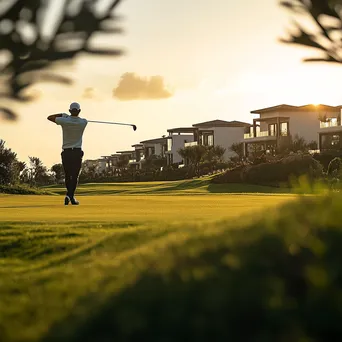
x=73, y=127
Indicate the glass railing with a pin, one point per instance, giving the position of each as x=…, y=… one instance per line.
x=263, y=134
x=192, y=143
x=258, y=135
x=328, y=124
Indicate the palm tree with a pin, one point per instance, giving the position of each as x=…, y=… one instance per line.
x=298, y=144
x=58, y=170
x=214, y=154
x=38, y=172
x=237, y=148
x=193, y=155
x=185, y=153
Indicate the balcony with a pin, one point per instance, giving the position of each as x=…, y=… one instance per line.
x=265, y=134
x=330, y=127
x=328, y=124
x=258, y=135
x=192, y=143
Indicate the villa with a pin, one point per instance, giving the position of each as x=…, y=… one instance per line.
x=209, y=133
x=319, y=125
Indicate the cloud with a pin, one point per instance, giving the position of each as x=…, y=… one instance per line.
x=133, y=87
x=88, y=93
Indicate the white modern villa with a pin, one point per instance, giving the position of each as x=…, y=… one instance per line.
x=209, y=133
x=157, y=147
x=275, y=125
x=179, y=138
x=221, y=133
x=330, y=130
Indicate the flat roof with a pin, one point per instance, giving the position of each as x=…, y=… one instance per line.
x=182, y=130
x=272, y=118
x=308, y=107
x=125, y=152
x=221, y=123
x=154, y=141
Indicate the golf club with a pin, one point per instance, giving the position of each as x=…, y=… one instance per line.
x=115, y=123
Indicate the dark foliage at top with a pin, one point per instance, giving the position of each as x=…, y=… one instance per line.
x=325, y=18
x=28, y=51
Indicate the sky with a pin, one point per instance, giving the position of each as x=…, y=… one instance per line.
x=221, y=60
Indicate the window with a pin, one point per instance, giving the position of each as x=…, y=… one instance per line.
x=284, y=129
x=272, y=129
x=206, y=139
x=330, y=142
x=335, y=141
x=169, y=144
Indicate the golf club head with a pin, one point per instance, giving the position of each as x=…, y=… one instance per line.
x=134, y=127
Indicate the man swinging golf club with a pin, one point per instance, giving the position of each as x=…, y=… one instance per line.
x=73, y=127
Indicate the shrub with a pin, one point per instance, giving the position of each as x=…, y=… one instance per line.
x=326, y=158
x=273, y=172
x=283, y=170
x=230, y=176
x=22, y=190
x=334, y=166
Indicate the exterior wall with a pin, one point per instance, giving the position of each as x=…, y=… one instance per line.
x=177, y=143
x=305, y=124
x=226, y=136
x=272, y=115
x=158, y=149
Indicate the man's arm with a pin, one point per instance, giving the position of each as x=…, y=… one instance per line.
x=53, y=117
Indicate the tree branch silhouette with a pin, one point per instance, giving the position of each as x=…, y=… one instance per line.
x=325, y=18
x=31, y=53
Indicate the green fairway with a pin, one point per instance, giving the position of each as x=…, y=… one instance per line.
x=201, y=186
x=53, y=256
x=138, y=209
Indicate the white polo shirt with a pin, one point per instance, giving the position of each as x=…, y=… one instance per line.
x=73, y=128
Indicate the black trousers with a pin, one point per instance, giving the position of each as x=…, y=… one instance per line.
x=72, y=162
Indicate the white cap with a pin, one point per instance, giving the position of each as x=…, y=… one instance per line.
x=75, y=105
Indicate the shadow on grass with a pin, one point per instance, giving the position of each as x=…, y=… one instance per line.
x=199, y=186
x=246, y=188
x=278, y=279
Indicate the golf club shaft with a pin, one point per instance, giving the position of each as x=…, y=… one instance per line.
x=111, y=123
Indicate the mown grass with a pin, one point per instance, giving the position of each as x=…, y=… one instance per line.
x=133, y=208
x=200, y=186
x=170, y=268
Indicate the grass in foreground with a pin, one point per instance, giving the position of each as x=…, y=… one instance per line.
x=171, y=274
